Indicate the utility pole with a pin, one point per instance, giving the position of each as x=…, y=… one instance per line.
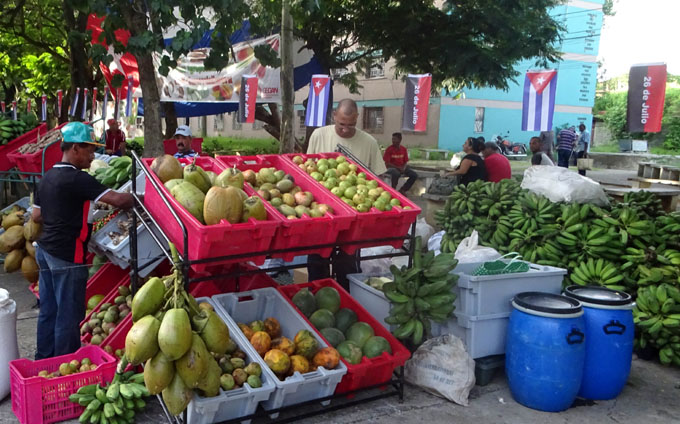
x=287, y=91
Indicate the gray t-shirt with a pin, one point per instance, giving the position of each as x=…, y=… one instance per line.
x=540, y=158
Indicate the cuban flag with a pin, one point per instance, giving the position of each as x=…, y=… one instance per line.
x=538, y=104
x=317, y=104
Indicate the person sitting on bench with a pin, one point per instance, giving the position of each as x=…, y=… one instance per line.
x=396, y=159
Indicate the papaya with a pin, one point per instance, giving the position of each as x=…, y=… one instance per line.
x=13, y=237
x=247, y=331
x=326, y=357
x=191, y=197
x=301, y=335
x=272, y=327
x=261, y=342
x=375, y=346
x=344, y=319
x=167, y=168
x=277, y=361
x=359, y=333
x=174, y=335
x=141, y=342
x=177, y=395
x=29, y=269
x=210, y=385
x=13, y=260
x=222, y=203
x=32, y=230
x=307, y=347
x=193, y=366
x=328, y=298
x=12, y=219
x=197, y=176
x=230, y=177
x=148, y=298
x=283, y=344
x=158, y=373
x=213, y=331
x=253, y=207
x=298, y=363
x=322, y=318
x=333, y=335
x=305, y=302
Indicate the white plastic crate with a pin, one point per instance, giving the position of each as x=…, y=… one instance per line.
x=373, y=300
x=267, y=302
x=234, y=403
x=491, y=294
x=119, y=254
x=141, y=185
x=482, y=335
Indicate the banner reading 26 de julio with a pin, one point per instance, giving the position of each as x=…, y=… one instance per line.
x=416, y=102
x=646, y=95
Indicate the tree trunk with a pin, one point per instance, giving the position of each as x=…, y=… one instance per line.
x=135, y=19
x=79, y=66
x=287, y=140
x=271, y=119
x=170, y=119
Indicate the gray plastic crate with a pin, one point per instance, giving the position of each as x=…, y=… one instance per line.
x=482, y=335
x=373, y=300
x=267, y=302
x=234, y=403
x=491, y=294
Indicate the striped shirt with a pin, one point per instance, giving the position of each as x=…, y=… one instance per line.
x=566, y=139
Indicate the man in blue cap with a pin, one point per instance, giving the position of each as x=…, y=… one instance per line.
x=63, y=204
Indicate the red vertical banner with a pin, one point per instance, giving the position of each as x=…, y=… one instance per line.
x=28, y=105
x=2, y=106
x=646, y=96
x=93, y=110
x=43, y=107
x=416, y=102
x=247, y=99
x=60, y=98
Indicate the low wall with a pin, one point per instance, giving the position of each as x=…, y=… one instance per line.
x=627, y=161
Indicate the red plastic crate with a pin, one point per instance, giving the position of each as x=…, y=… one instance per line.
x=34, y=162
x=371, y=371
x=108, y=277
x=374, y=224
x=211, y=288
x=38, y=400
x=209, y=241
x=32, y=135
x=305, y=231
x=110, y=296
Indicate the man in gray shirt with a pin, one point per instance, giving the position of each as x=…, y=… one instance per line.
x=539, y=157
x=547, y=139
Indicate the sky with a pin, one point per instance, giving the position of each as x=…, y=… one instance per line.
x=641, y=31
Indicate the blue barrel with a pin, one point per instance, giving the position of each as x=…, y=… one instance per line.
x=609, y=340
x=545, y=350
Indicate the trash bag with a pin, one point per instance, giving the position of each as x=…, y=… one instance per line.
x=443, y=185
x=423, y=230
x=469, y=250
x=562, y=185
x=442, y=367
x=434, y=243
x=376, y=266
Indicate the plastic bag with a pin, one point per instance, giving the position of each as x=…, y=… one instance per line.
x=442, y=367
x=562, y=185
x=469, y=250
x=423, y=229
x=376, y=266
x=434, y=243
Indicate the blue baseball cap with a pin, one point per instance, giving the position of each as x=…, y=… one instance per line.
x=77, y=132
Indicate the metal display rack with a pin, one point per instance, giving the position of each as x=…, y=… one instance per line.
x=393, y=387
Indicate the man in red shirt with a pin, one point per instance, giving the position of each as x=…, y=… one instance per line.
x=115, y=139
x=497, y=165
x=396, y=158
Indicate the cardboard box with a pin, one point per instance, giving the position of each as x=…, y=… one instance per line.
x=300, y=275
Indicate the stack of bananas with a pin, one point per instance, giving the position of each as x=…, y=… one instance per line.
x=10, y=129
x=117, y=402
x=421, y=294
x=116, y=174
x=657, y=316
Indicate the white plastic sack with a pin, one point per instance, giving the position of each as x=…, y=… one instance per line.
x=442, y=367
x=9, y=350
x=423, y=229
x=434, y=243
x=562, y=185
x=376, y=266
x=469, y=250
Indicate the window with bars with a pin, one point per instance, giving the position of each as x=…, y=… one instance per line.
x=301, y=121
x=479, y=119
x=377, y=68
x=373, y=119
x=218, y=124
x=235, y=124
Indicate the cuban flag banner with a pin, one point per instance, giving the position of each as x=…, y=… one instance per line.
x=83, y=114
x=93, y=110
x=105, y=103
x=116, y=107
x=317, y=103
x=538, y=104
x=128, y=99
x=247, y=99
x=74, y=105
x=14, y=110
x=43, y=108
x=60, y=99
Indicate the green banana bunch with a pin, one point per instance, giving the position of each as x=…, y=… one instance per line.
x=116, y=174
x=645, y=201
x=420, y=294
x=114, y=403
x=597, y=273
x=657, y=317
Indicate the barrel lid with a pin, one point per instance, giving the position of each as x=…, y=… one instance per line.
x=547, y=303
x=598, y=295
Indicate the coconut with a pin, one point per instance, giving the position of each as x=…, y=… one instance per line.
x=158, y=373
x=254, y=208
x=29, y=248
x=174, y=336
x=230, y=177
x=13, y=238
x=141, y=342
x=192, y=198
x=29, y=268
x=13, y=260
x=222, y=203
x=197, y=176
x=12, y=219
x=193, y=366
x=177, y=395
x=32, y=230
x=210, y=385
x=212, y=330
x=148, y=298
x=171, y=183
x=167, y=167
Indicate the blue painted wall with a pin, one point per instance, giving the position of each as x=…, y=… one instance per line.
x=576, y=86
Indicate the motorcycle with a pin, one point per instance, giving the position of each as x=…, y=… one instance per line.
x=508, y=148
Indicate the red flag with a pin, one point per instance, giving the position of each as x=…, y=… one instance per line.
x=247, y=98
x=646, y=95
x=416, y=102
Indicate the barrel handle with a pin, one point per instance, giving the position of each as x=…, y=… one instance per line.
x=575, y=337
x=614, y=327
